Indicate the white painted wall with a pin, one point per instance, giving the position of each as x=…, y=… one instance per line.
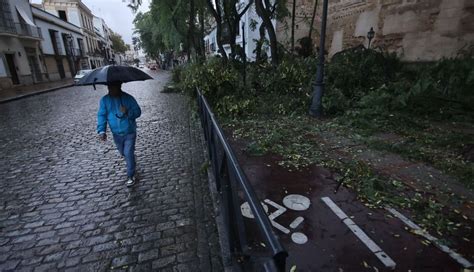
x=47, y=44
x=47, y=21
x=15, y=47
x=73, y=16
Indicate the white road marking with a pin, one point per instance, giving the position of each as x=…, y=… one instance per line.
x=280, y=227
x=334, y=208
x=296, y=202
x=296, y=222
x=280, y=210
x=247, y=212
x=371, y=245
x=299, y=238
x=418, y=230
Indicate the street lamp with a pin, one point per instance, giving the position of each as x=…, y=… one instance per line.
x=316, y=108
x=370, y=36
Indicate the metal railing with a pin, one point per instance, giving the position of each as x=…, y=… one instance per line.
x=230, y=180
x=22, y=30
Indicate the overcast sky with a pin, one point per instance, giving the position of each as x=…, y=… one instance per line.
x=116, y=14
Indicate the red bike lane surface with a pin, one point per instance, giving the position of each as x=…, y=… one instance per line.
x=331, y=245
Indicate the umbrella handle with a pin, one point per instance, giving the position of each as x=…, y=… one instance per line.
x=93, y=84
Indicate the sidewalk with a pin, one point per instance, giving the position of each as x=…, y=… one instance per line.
x=29, y=90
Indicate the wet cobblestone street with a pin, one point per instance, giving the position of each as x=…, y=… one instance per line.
x=64, y=204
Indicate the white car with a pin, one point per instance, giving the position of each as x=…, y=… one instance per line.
x=80, y=74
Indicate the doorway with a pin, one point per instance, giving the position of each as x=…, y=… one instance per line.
x=59, y=63
x=35, y=69
x=12, y=68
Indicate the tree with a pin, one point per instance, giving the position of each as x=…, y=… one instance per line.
x=265, y=11
x=118, y=44
x=216, y=12
x=315, y=8
x=176, y=24
x=151, y=40
x=136, y=43
x=233, y=12
x=293, y=17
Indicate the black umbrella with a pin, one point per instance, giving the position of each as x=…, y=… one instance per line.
x=113, y=74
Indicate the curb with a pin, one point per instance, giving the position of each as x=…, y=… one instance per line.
x=35, y=93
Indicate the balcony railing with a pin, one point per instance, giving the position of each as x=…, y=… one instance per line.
x=21, y=30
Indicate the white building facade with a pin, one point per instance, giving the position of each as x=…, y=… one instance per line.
x=61, y=45
x=103, y=39
x=20, y=56
x=75, y=12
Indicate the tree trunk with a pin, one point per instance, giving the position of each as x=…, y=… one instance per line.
x=230, y=17
x=312, y=18
x=201, y=32
x=258, y=49
x=293, y=15
x=216, y=13
x=264, y=13
x=192, y=15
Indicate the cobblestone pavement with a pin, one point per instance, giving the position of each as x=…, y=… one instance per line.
x=63, y=200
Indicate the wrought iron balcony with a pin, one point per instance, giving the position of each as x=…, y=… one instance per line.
x=21, y=30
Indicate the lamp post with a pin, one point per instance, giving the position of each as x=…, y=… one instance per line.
x=244, y=54
x=370, y=36
x=316, y=108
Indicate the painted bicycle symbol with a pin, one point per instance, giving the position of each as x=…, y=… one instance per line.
x=293, y=202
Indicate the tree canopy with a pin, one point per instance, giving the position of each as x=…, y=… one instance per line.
x=118, y=44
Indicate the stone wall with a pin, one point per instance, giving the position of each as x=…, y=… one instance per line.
x=303, y=13
x=417, y=30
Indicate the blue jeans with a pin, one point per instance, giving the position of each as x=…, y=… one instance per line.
x=126, y=146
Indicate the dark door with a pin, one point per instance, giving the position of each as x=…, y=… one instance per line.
x=11, y=67
x=59, y=63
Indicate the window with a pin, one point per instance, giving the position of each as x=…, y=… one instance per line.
x=54, y=35
x=6, y=20
x=62, y=15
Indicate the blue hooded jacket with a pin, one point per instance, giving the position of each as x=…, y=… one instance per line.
x=109, y=112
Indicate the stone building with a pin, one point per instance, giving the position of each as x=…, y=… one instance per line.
x=417, y=30
x=303, y=14
x=20, y=58
x=61, y=45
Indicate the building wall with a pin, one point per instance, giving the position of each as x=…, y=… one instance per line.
x=47, y=44
x=303, y=13
x=417, y=30
x=75, y=12
x=52, y=67
x=12, y=45
x=24, y=5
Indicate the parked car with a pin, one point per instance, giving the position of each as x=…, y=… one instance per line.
x=80, y=74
